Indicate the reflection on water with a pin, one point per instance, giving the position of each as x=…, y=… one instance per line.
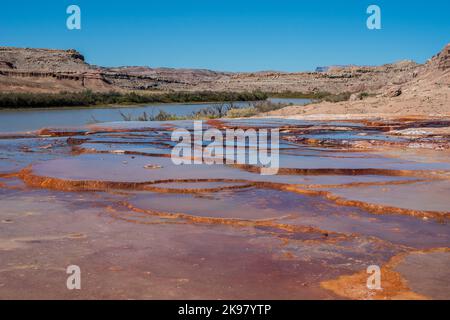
x=108, y=198
x=28, y=120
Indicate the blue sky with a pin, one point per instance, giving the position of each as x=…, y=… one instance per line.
x=231, y=35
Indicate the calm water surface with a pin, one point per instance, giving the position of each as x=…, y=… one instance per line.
x=34, y=119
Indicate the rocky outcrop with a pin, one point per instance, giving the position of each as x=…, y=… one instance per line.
x=44, y=70
x=441, y=61
x=334, y=80
x=44, y=59
x=47, y=69
x=392, y=92
x=426, y=94
x=6, y=65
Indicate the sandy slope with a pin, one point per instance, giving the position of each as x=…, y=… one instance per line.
x=428, y=94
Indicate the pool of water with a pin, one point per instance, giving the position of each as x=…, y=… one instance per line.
x=109, y=198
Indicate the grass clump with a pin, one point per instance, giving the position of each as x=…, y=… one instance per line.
x=222, y=110
x=212, y=112
x=242, y=112
x=160, y=116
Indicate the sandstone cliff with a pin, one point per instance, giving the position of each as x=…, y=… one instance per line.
x=44, y=70
x=426, y=93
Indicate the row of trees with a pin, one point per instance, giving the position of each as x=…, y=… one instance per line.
x=89, y=98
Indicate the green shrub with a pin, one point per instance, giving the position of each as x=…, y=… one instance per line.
x=242, y=113
x=89, y=98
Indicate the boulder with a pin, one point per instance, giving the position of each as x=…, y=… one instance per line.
x=393, y=92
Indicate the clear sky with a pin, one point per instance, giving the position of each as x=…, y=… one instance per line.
x=231, y=35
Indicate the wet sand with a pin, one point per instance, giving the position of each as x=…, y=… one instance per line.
x=349, y=194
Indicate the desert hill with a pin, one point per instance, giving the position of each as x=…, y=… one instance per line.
x=427, y=93
x=46, y=70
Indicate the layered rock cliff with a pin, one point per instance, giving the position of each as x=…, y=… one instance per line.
x=45, y=70
x=424, y=92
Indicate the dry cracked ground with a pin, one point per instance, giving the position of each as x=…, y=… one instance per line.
x=349, y=194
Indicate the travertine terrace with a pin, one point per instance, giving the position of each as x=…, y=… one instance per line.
x=361, y=182
x=108, y=198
